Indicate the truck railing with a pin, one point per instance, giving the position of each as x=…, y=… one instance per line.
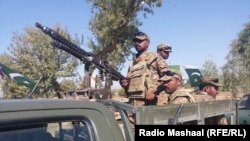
x=159, y=115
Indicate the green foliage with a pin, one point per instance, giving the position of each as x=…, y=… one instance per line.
x=119, y=91
x=113, y=92
x=114, y=24
x=210, y=69
x=67, y=85
x=31, y=54
x=236, y=72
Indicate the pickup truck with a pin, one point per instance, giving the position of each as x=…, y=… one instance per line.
x=71, y=120
x=57, y=120
x=243, y=110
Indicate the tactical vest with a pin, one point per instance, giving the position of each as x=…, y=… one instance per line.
x=140, y=76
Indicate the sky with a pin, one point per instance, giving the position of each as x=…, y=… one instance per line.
x=197, y=30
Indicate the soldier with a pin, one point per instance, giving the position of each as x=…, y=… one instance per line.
x=208, y=90
x=143, y=73
x=172, y=81
x=163, y=49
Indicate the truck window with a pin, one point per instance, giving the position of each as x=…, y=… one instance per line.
x=49, y=131
x=243, y=102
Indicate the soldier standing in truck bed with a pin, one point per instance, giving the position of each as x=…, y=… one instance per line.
x=164, y=50
x=144, y=72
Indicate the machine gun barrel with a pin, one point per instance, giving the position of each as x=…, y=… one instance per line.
x=66, y=45
x=54, y=35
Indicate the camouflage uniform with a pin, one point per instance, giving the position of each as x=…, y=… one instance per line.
x=156, y=65
x=181, y=96
x=162, y=98
x=143, y=73
x=178, y=94
x=203, y=96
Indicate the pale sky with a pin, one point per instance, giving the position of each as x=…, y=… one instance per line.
x=197, y=30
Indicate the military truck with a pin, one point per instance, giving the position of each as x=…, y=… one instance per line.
x=47, y=119
x=71, y=120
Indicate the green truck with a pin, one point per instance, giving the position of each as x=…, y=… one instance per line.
x=71, y=120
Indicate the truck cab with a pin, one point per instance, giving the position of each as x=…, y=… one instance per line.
x=57, y=120
x=101, y=120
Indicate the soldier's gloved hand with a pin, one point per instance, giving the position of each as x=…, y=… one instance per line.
x=150, y=95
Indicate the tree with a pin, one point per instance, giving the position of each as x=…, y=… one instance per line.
x=121, y=92
x=113, y=25
x=32, y=55
x=237, y=70
x=68, y=85
x=210, y=69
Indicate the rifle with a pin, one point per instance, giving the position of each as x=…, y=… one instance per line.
x=86, y=57
x=174, y=121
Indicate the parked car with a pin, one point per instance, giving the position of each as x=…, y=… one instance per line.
x=243, y=110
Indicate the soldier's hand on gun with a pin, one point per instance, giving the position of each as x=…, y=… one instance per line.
x=125, y=82
x=150, y=95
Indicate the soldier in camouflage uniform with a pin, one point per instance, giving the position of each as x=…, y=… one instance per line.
x=143, y=74
x=172, y=80
x=163, y=49
x=208, y=90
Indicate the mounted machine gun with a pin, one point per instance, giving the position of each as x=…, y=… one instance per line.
x=86, y=57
